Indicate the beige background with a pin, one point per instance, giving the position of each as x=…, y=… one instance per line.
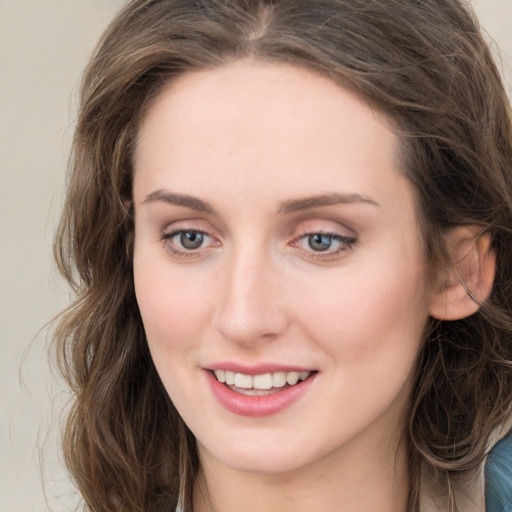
x=43, y=47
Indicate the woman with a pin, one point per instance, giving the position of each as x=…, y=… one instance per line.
x=288, y=227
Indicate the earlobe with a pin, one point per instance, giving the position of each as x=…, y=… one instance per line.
x=469, y=279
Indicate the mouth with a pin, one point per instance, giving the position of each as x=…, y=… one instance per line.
x=260, y=384
x=259, y=391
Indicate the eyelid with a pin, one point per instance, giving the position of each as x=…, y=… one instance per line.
x=343, y=238
x=328, y=222
x=174, y=233
x=196, y=225
x=167, y=235
x=346, y=237
x=335, y=236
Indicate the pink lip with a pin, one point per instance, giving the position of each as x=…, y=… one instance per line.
x=266, y=405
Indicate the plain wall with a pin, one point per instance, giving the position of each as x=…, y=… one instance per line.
x=44, y=45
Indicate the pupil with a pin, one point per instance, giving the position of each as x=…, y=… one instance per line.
x=320, y=242
x=191, y=240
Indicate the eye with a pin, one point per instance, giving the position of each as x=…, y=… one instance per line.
x=186, y=242
x=191, y=239
x=320, y=242
x=325, y=245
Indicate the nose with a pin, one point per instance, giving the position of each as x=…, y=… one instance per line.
x=250, y=307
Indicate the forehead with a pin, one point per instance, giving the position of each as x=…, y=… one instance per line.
x=251, y=123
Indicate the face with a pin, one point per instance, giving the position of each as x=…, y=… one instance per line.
x=277, y=265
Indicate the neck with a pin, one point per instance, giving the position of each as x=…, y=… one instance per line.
x=352, y=480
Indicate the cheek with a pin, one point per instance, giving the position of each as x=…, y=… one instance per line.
x=170, y=311
x=371, y=331
x=172, y=307
x=174, y=311
x=370, y=318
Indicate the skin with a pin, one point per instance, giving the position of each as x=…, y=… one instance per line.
x=247, y=139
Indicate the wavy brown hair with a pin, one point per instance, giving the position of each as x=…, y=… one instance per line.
x=427, y=67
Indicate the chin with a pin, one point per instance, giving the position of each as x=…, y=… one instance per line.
x=263, y=456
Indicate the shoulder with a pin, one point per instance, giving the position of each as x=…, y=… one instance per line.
x=498, y=477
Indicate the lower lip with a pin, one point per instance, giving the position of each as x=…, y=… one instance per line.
x=266, y=405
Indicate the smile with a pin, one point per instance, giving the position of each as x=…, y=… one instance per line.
x=261, y=384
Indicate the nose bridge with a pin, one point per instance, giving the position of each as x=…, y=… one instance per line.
x=249, y=307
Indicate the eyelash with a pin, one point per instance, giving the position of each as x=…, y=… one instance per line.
x=346, y=244
x=166, y=238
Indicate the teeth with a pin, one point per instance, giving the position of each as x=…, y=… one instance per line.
x=292, y=378
x=262, y=381
x=230, y=377
x=221, y=375
x=243, y=381
x=278, y=379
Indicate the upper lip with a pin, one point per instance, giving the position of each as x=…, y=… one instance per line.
x=256, y=369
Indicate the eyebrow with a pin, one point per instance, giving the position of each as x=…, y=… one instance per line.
x=179, y=200
x=295, y=205
x=289, y=206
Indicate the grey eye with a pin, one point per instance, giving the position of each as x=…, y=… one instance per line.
x=191, y=239
x=319, y=242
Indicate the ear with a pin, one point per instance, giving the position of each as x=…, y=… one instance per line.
x=468, y=280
